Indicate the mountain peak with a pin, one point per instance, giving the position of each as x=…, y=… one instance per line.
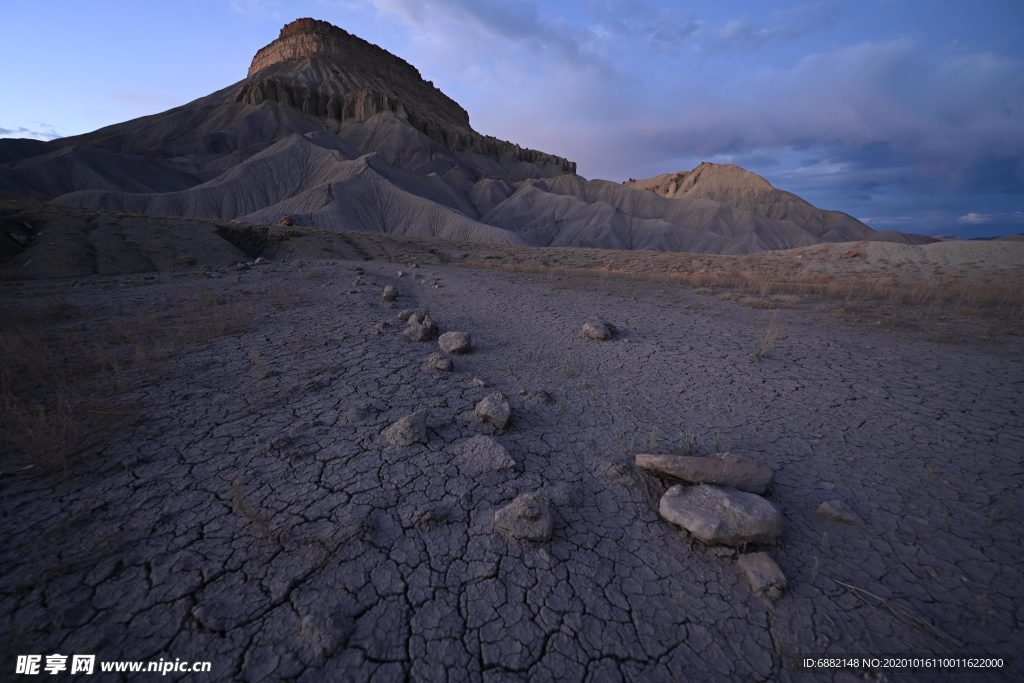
x=307, y=38
x=327, y=73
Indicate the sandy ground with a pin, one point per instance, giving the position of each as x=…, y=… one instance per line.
x=241, y=505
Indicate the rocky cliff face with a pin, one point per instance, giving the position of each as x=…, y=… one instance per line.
x=325, y=71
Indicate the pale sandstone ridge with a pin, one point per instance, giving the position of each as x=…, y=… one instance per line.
x=735, y=186
x=325, y=71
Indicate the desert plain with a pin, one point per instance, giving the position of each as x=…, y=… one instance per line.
x=200, y=458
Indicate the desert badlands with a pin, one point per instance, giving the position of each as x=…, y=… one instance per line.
x=310, y=381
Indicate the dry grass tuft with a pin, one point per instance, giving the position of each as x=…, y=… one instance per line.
x=769, y=338
x=65, y=368
x=756, y=302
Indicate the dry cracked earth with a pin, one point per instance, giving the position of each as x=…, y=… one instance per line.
x=245, y=508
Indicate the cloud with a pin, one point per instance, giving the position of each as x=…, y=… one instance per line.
x=745, y=34
x=1012, y=218
x=887, y=127
x=44, y=131
x=941, y=119
x=479, y=21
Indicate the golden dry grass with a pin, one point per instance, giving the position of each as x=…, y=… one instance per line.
x=773, y=281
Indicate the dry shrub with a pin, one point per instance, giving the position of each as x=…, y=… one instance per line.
x=756, y=302
x=771, y=335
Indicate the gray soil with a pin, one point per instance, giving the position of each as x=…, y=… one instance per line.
x=250, y=512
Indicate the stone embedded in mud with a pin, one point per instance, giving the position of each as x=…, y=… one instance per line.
x=723, y=469
x=408, y=430
x=596, y=329
x=838, y=511
x=455, y=342
x=527, y=518
x=494, y=409
x=763, y=574
x=479, y=454
x=438, y=361
x=718, y=516
x=390, y=293
x=405, y=314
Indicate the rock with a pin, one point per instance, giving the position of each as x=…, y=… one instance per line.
x=405, y=314
x=440, y=362
x=419, y=331
x=479, y=454
x=838, y=511
x=390, y=293
x=455, y=342
x=477, y=382
x=401, y=273
x=260, y=261
x=379, y=328
x=23, y=240
x=286, y=221
x=764, y=575
x=718, y=516
x=408, y=430
x=596, y=329
x=527, y=518
x=494, y=409
x=723, y=469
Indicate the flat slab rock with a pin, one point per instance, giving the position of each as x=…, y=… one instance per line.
x=723, y=469
x=718, y=516
x=763, y=574
x=527, y=518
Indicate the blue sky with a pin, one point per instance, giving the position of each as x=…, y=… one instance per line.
x=906, y=114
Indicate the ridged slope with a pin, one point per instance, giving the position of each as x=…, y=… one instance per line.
x=738, y=187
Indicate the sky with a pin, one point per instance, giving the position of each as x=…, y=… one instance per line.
x=907, y=114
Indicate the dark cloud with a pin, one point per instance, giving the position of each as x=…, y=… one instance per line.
x=879, y=128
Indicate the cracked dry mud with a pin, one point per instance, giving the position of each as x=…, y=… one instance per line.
x=257, y=518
